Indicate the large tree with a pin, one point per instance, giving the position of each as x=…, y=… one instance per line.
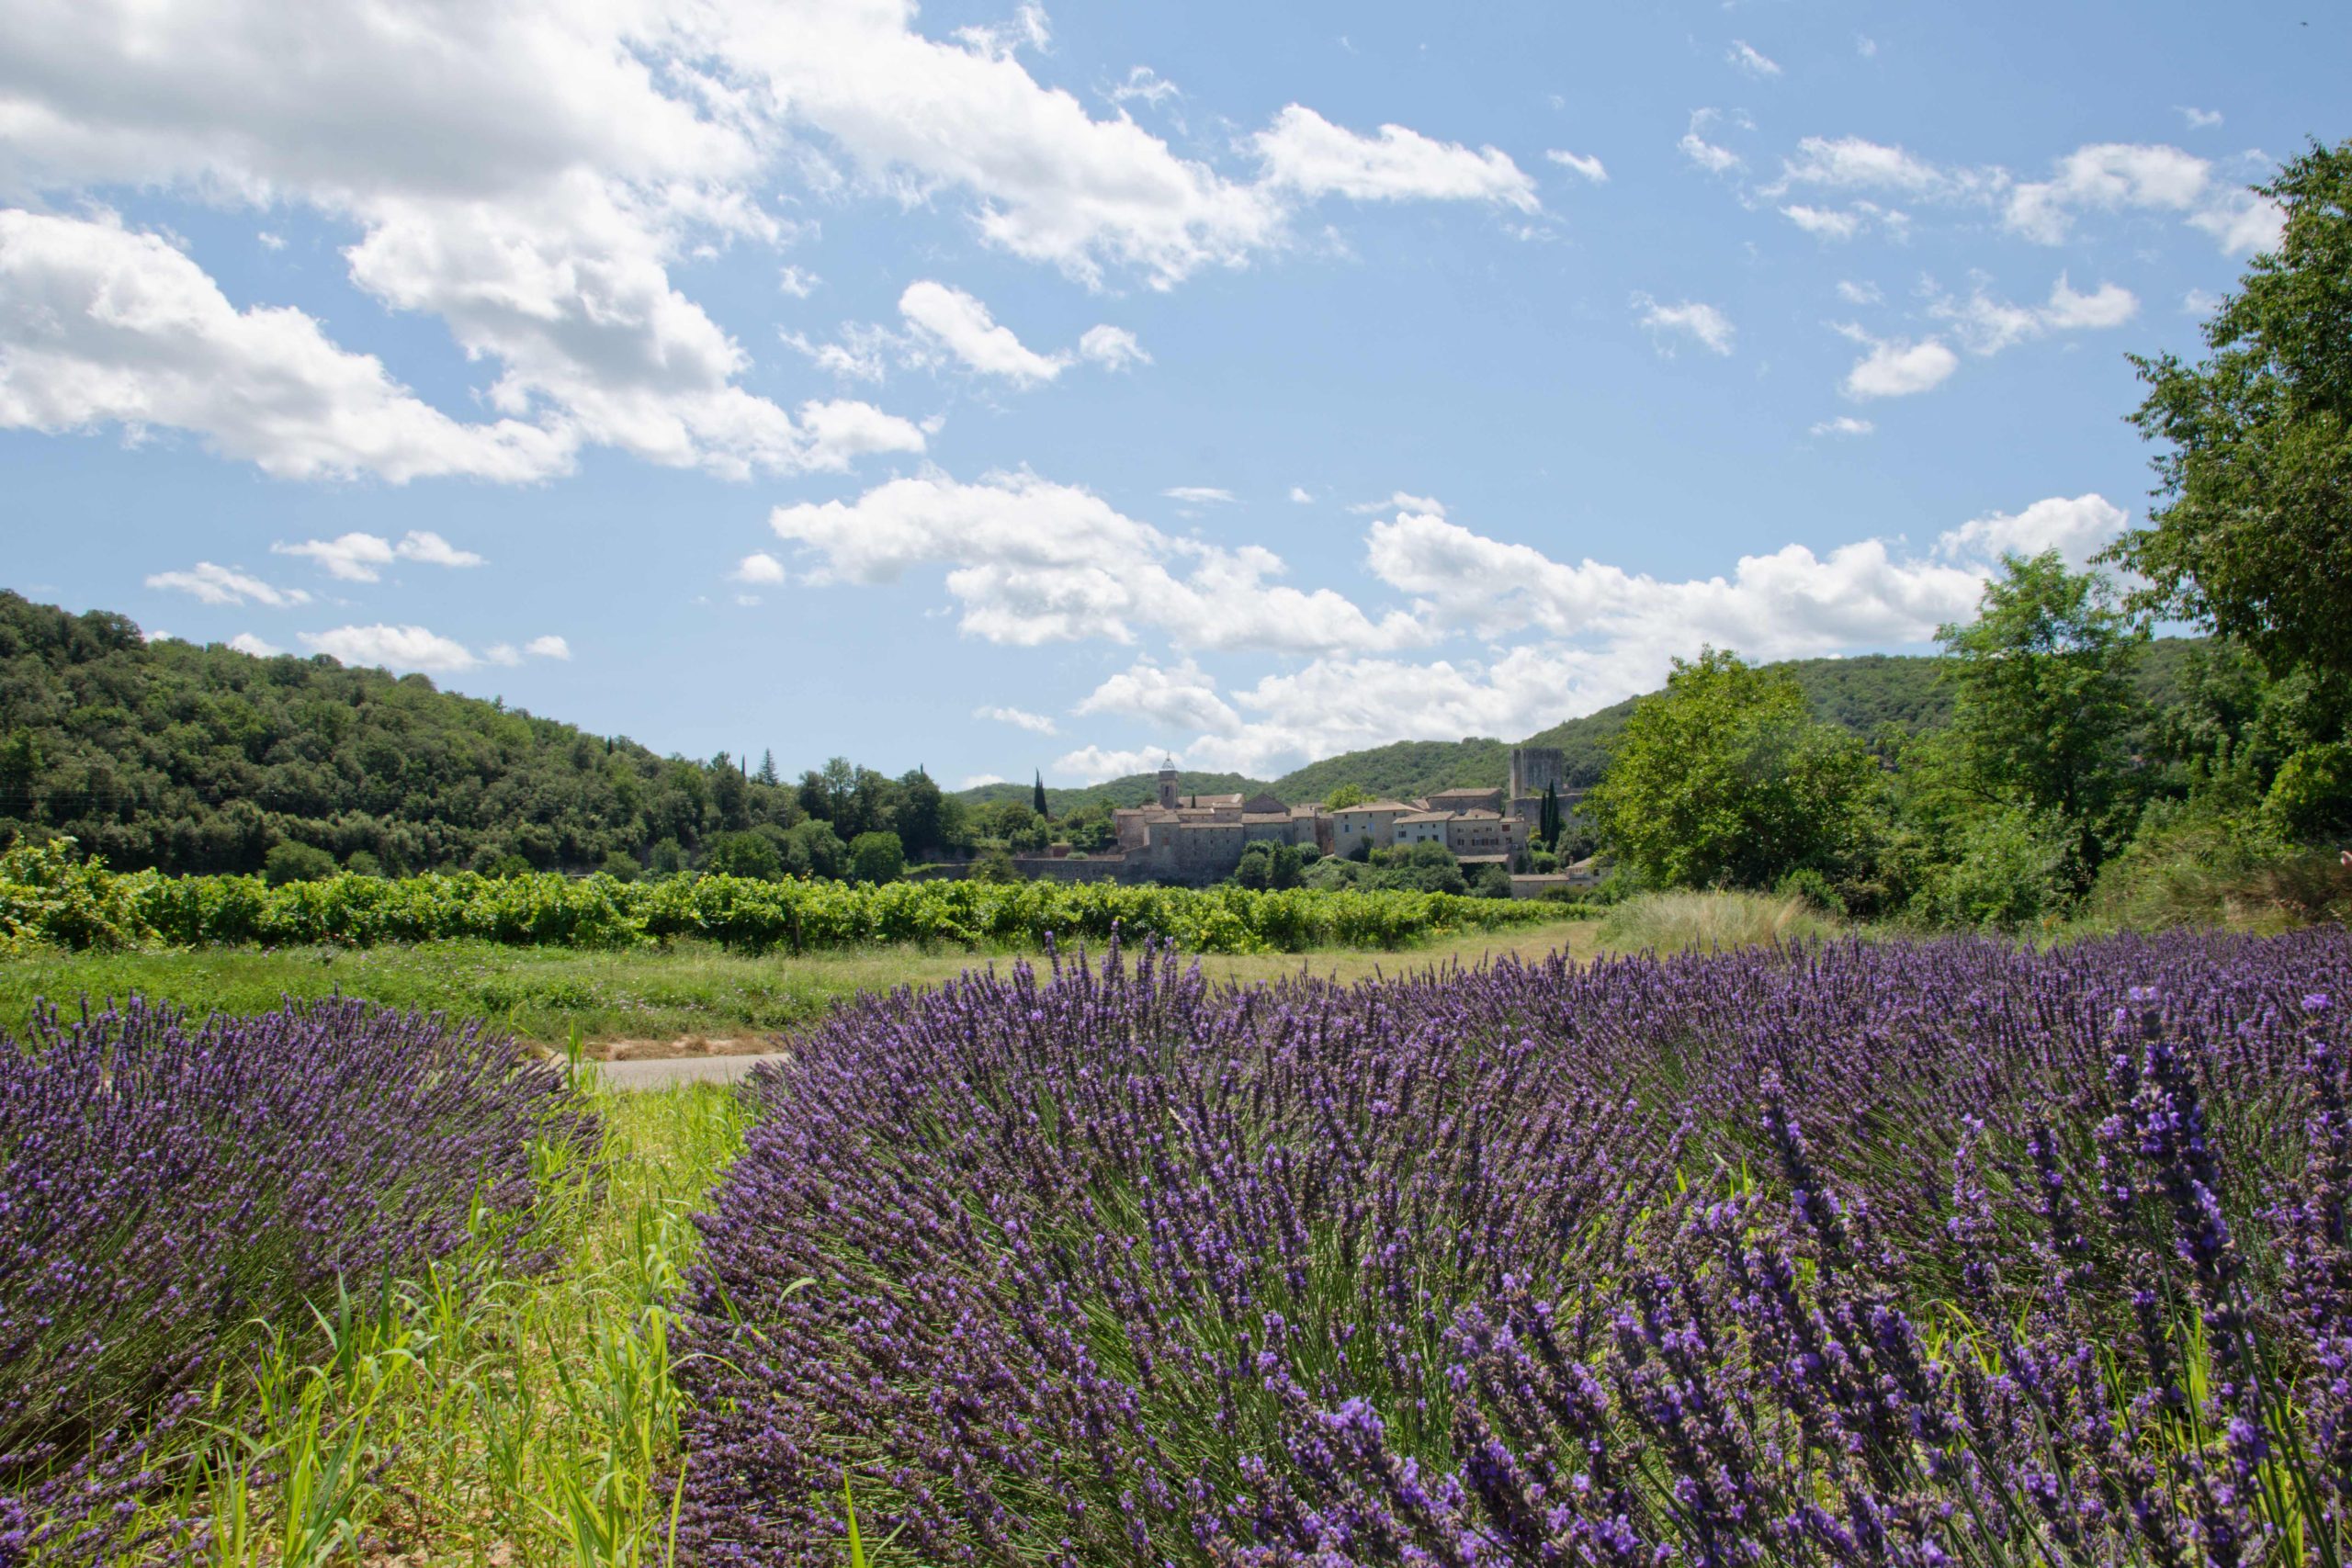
x=1725, y=777
x=2043, y=696
x=2252, y=535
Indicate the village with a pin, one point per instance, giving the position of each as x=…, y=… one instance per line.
x=1197, y=840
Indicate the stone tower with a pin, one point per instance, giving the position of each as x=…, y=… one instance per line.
x=1534, y=767
x=1167, y=784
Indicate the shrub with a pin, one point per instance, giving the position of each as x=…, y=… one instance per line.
x=47, y=894
x=290, y=862
x=743, y=854
x=1896, y=1253
x=164, y=1188
x=877, y=857
x=1673, y=922
x=2009, y=868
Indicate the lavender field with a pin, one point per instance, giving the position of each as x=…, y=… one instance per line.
x=1919, y=1252
x=1854, y=1252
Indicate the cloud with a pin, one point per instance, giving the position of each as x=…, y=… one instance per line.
x=360, y=558
x=759, y=567
x=548, y=646
x=1093, y=764
x=2078, y=529
x=1896, y=368
x=1181, y=697
x=1199, y=495
x=2198, y=119
x=107, y=326
x=1745, y=56
x=797, y=281
x=1706, y=155
x=962, y=325
x=1031, y=561
x=213, y=584
x=1146, y=85
x=1114, y=348
x=1397, y=500
x=1703, y=323
x=1824, y=222
x=2114, y=176
x=1865, y=46
x=1021, y=718
x=245, y=642
x=974, y=780
x=1305, y=153
x=1855, y=293
x=432, y=549
x=394, y=647
x=1854, y=162
x=1579, y=162
x=530, y=174
x=1844, y=425
x=1301, y=496
x=1834, y=224
x=1986, y=326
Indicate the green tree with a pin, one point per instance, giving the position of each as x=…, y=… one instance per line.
x=920, y=816
x=745, y=855
x=1547, y=821
x=1255, y=869
x=290, y=862
x=1346, y=794
x=1037, y=797
x=1725, y=777
x=877, y=857
x=995, y=865
x=812, y=848
x=2254, y=534
x=2042, y=699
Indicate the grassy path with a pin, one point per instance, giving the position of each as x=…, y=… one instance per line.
x=648, y=995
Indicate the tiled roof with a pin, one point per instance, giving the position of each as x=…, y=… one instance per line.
x=1378, y=805
x=1425, y=816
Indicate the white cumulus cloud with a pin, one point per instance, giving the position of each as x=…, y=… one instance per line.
x=1114, y=348
x=1306, y=152
x=1702, y=324
x=214, y=584
x=394, y=647
x=1031, y=561
x=1897, y=368
x=1747, y=58
x=1020, y=719
x=963, y=326
x=1582, y=163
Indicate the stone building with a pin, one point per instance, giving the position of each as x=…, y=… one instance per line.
x=1198, y=839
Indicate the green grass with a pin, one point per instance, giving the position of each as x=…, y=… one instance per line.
x=664, y=994
x=1676, y=922
x=524, y=1421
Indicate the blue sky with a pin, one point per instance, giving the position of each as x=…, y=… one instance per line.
x=993, y=387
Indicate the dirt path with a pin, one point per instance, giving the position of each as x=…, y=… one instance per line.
x=660, y=1072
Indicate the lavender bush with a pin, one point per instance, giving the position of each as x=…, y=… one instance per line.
x=1922, y=1253
x=166, y=1188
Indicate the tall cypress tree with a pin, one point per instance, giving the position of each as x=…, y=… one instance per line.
x=1547, y=822
x=1037, y=797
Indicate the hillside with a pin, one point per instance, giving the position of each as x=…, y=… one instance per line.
x=1867, y=693
x=200, y=758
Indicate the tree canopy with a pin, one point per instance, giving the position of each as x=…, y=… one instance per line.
x=1725, y=777
x=2252, y=531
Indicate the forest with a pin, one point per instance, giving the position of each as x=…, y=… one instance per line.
x=169, y=756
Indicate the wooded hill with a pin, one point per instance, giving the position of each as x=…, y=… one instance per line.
x=1866, y=694
x=195, y=759
x=202, y=759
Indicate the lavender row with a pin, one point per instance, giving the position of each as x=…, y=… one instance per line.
x=166, y=1188
x=1897, y=1253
